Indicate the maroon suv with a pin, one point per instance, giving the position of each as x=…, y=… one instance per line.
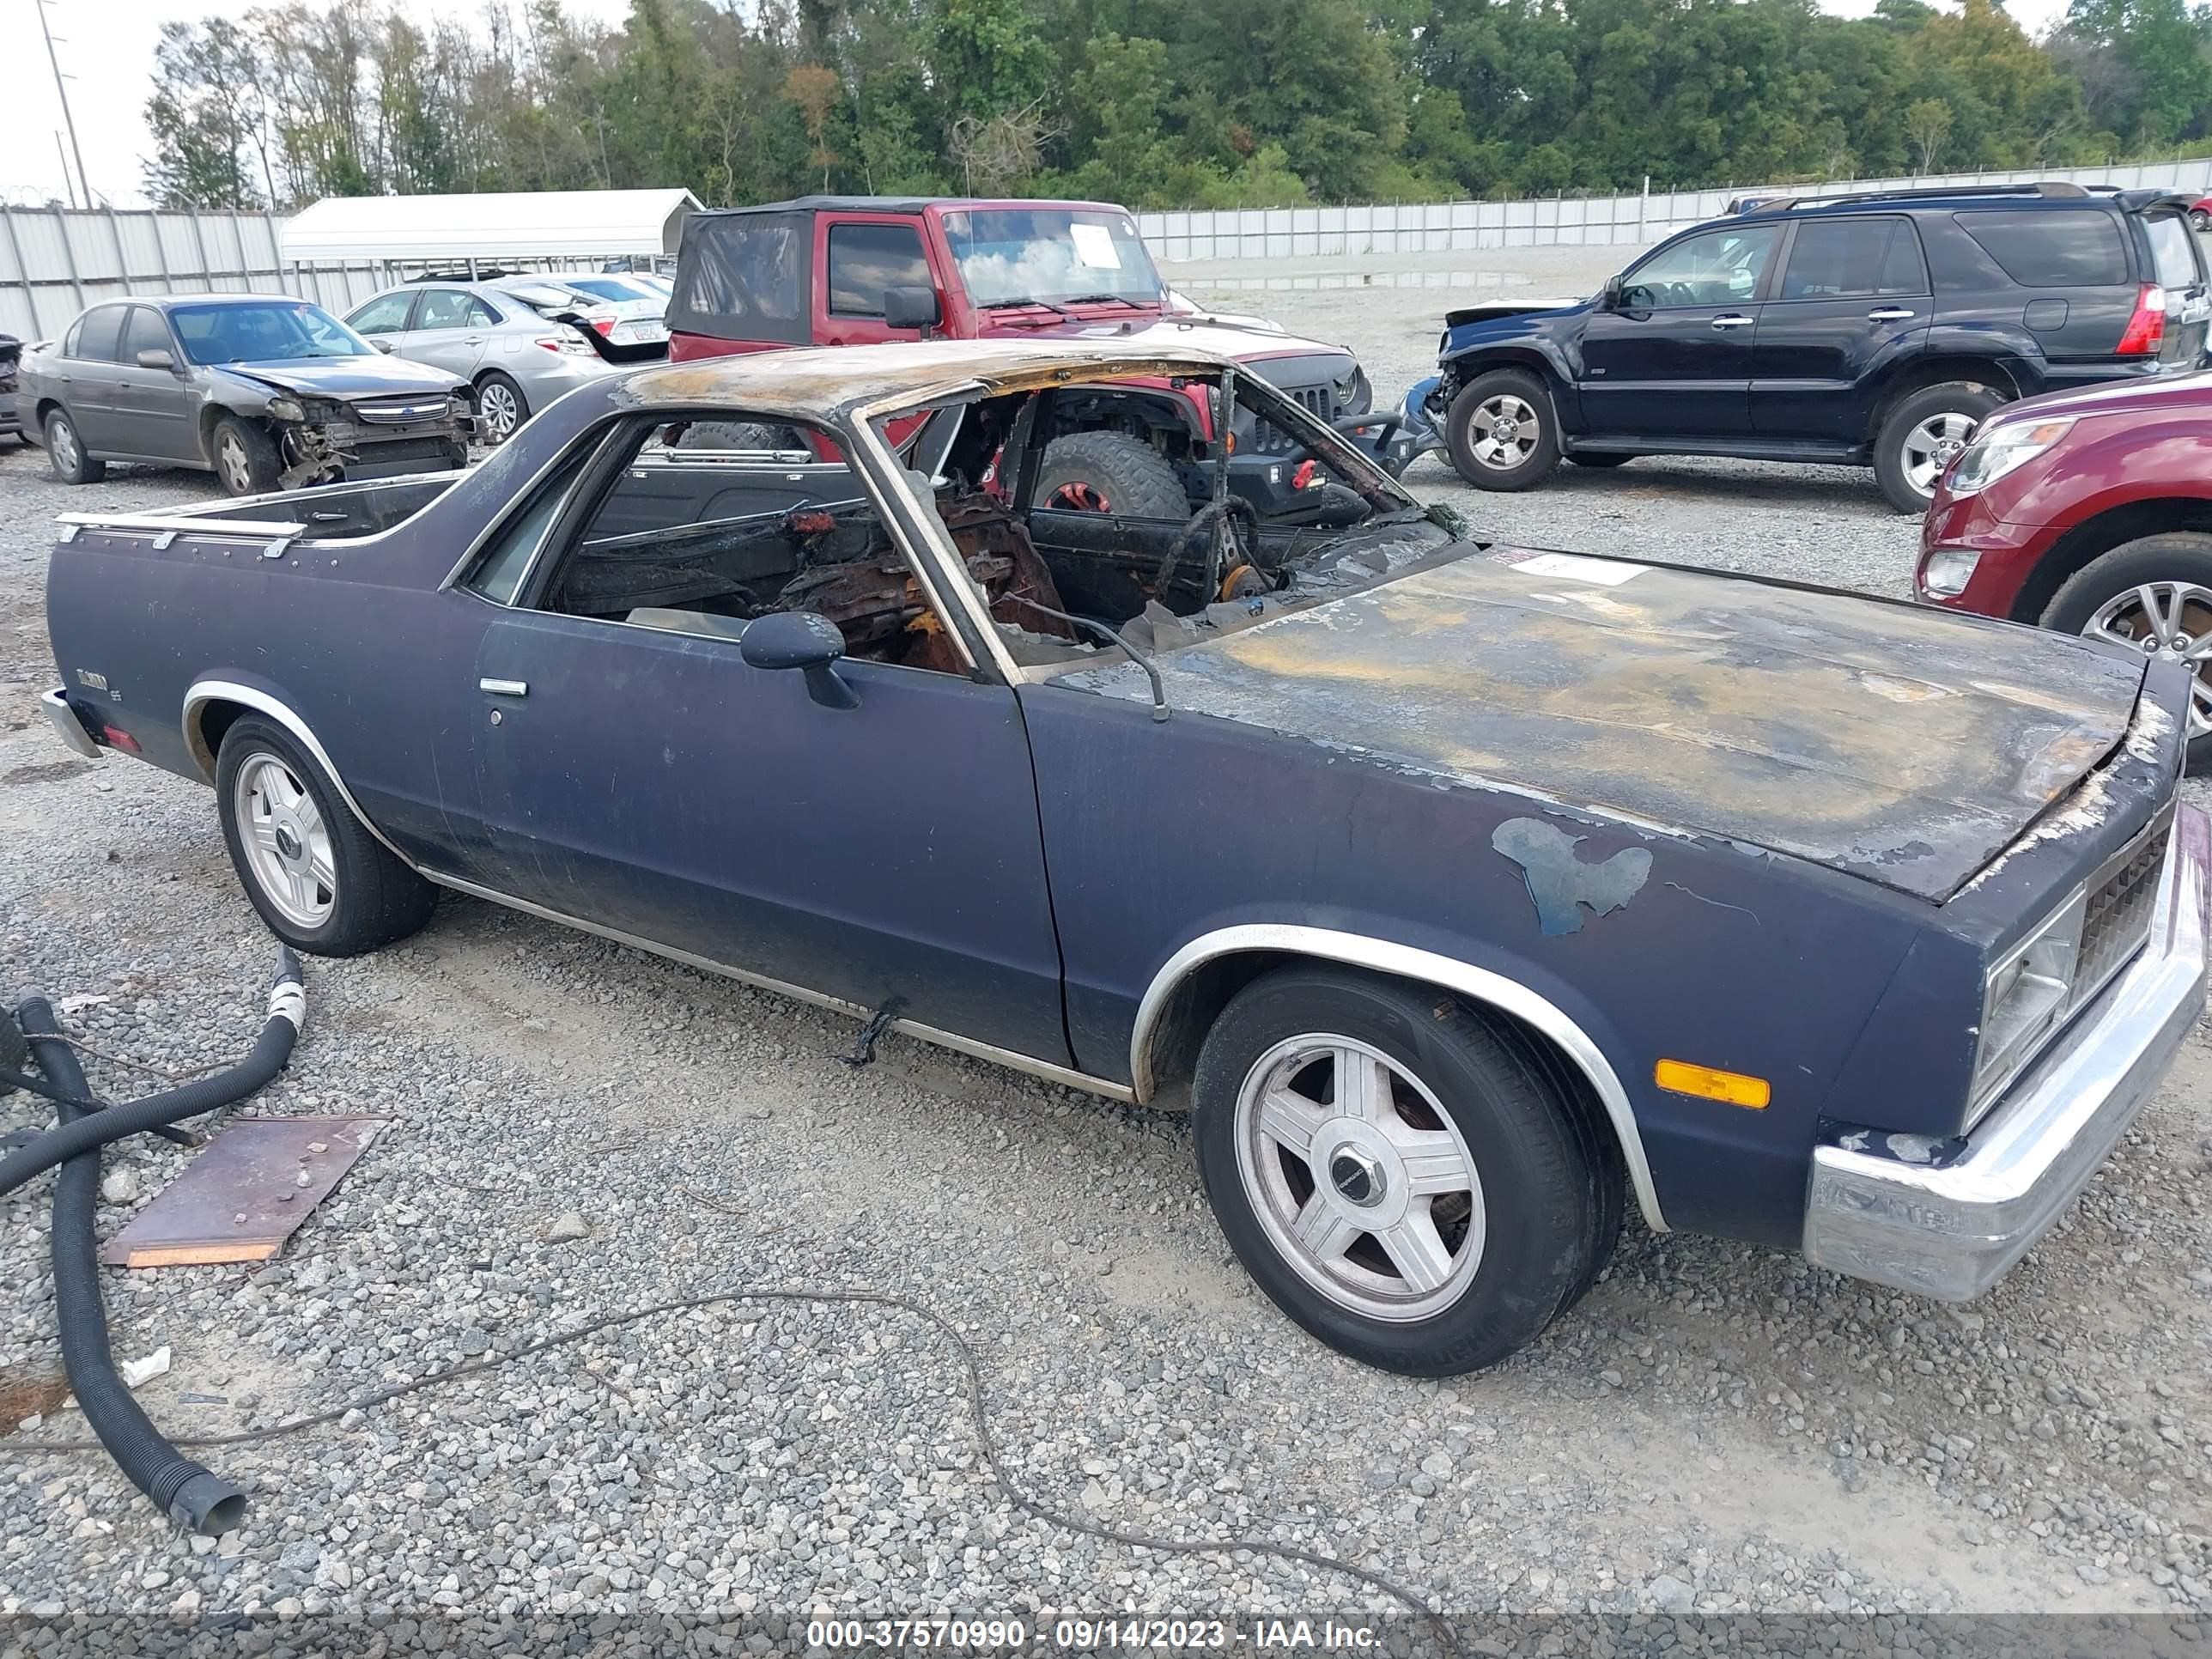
x=2090, y=512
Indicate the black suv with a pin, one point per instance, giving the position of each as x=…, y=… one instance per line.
x=1866, y=330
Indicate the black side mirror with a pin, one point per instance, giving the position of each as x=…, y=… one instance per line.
x=157, y=358
x=800, y=639
x=911, y=308
x=1611, y=300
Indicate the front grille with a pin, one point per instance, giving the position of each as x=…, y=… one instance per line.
x=1318, y=401
x=404, y=412
x=2119, y=917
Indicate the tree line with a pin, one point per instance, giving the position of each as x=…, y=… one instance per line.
x=1155, y=103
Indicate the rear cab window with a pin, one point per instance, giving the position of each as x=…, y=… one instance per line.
x=2066, y=248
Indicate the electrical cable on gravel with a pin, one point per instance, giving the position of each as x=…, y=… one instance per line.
x=977, y=1412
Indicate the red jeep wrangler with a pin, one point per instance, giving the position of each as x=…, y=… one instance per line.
x=859, y=270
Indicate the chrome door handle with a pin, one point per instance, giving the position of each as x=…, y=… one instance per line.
x=472, y=340
x=1888, y=315
x=505, y=688
x=1732, y=321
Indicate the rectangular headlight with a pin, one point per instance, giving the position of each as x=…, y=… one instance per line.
x=2025, y=996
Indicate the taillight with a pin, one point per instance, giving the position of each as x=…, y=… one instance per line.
x=602, y=325
x=2146, y=328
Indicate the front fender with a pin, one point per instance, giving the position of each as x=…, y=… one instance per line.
x=1546, y=342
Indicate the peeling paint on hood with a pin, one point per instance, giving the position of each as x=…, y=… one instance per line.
x=1904, y=744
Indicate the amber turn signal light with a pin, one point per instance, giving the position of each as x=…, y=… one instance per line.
x=1679, y=1077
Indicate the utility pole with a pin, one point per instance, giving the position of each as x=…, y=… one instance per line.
x=68, y=118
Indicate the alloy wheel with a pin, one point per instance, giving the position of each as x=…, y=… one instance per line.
x=1362, y=1181
x=496, y=404
x=64, y=439
x=287, y=844
x=1931, y=445
x=2172, y=620
x=237, y=465
x=1505, y=431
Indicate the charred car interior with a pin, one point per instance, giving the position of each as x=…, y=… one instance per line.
x=702, y=525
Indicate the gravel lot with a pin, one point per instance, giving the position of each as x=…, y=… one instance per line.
x=1717, y=1428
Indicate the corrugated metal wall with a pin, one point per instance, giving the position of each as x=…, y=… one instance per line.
x=1629, y=220
x=54, y=262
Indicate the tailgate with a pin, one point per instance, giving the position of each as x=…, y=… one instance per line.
x=2177, y=262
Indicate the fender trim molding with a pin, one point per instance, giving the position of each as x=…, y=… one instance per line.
x=203, y=692
x=1359, y=951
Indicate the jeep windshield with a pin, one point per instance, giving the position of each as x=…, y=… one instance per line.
x=1051, y=256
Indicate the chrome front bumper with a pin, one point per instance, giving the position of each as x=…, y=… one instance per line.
x=1952, y=1232
x=67, y=727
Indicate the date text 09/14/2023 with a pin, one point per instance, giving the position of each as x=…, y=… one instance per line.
x=1107, y=1633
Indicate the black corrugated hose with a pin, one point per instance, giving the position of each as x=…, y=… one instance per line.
x=189, y=1494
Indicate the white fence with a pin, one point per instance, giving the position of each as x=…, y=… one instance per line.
x=1633, y=221
x=56, y=261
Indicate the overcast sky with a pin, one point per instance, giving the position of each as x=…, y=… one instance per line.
x=107, y=46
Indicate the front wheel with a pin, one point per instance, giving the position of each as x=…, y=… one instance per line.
x=319, y=879
x=2199, y=219
x=1411, y=1183
x=246, y=458
x=1921, y=434
x=1502, y=432
x=2152, y=595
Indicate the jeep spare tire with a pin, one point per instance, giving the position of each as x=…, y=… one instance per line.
x=1109, y=473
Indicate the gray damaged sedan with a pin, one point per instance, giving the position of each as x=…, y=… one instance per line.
x=266, y=393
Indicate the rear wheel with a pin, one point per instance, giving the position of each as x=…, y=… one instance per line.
x=500, y=407
x=1407, y=1181
x=2154, y=596
x=1502, y=432
x=319, y=879
x=1920, y=435
x=2199, y=219
x=65, y=456
x=245, y=459
x=1111, y=473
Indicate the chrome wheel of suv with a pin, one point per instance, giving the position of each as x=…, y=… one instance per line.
x=1506, y=431
x=1933, y=445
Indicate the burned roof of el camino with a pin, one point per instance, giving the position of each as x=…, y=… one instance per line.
x=814, y=380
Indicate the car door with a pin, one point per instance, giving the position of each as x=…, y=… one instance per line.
x=383, y=320
x=90, y=381
x=638, y=776
x=1671, y=354
x=1853, y=300
x=858, y=256
x=155, y=408
x=449, y=331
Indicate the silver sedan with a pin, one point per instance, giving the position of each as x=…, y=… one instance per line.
x=518, y=358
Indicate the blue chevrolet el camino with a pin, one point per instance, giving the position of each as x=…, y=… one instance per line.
x=1465, y=894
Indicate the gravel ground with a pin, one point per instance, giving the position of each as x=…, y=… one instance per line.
x=1717, y=1428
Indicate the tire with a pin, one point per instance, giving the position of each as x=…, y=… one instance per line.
x=2104, y=598
x=1517, y=444
x=245, y=457
x=348, y=893
x=65, y=456
x=2199, y=219
x=1111, y=473
x=501, y=408
x=1603, y=463
x=1920, y=433
x=1483, y=1098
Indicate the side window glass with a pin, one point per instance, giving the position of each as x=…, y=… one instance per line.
x=1720, y=267
x=498, y=573
x=98, y=334
x=703, y=541
x=1835, y=258
x=147, y=332
x=2066, y=248
x=385, y=314
x=480, y=315
x=444, y=307
x=1903, y=268
x=865, y=259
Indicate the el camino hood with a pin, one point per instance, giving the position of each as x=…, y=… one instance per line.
x=343, y=377
x=1906, y=745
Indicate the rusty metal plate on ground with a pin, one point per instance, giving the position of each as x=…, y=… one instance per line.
x=242, y=1197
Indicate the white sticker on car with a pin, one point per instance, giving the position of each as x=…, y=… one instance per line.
x=1094, y=246
x=1576, y=566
